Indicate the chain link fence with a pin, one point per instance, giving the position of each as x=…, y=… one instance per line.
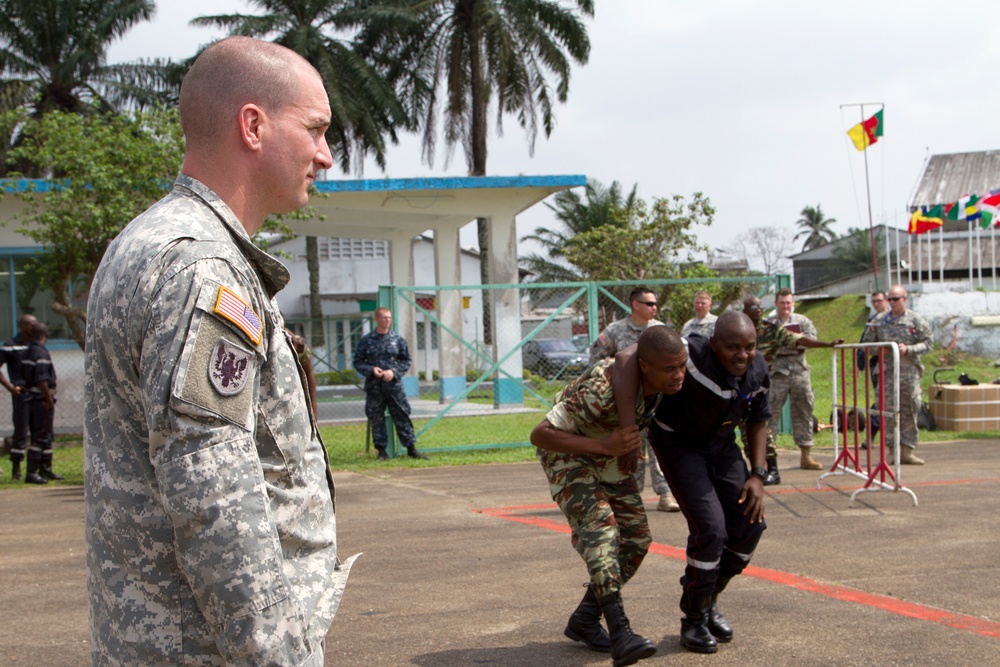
x=459, y=368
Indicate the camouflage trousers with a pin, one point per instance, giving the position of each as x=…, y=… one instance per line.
x=770, y=449
x=648, y=460
x=796, y=385
x=605, y=513
x=910, y=401
x=389, y=395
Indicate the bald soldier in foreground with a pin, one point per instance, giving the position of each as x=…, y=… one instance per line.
x=693, y=435
x=210, y=528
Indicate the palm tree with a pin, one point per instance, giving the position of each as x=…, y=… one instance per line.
x=815, y=228
x=483, y=53
x=364, y=106
x=53, y=56
x=598, y=207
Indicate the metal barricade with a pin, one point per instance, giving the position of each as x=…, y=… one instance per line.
x=859, y=375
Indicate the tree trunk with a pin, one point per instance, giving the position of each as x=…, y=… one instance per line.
x=76, y=318
x=478, y=168
x=314, y=334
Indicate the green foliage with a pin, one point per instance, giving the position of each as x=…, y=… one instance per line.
x=649, y=245
x=815, y=227
x=678, y=300
x=105, y=169
x=53, y=56
x=346, y=376
x=854, y=255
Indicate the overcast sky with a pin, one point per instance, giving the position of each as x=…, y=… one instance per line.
x=743, y=100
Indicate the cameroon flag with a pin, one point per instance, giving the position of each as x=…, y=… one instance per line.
x=866, y=133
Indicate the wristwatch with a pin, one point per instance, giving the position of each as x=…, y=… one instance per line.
x=760, y=471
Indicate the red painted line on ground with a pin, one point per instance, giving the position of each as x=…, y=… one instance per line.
x=892, y=605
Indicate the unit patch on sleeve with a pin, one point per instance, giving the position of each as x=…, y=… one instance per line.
x=235, y=310
x=229, y=367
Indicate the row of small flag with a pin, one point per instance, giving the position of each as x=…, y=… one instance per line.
x=971, y=208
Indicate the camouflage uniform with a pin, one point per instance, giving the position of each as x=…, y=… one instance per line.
x=616, y=337
x=601, y=503
x=705, y=326
x=915, y=332
x=38, y=368
x=790, y=378
x=13, y=353
x=209, y=501
x=770, y=339
x=388, y=351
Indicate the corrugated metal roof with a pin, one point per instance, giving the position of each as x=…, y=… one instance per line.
x=950, y=176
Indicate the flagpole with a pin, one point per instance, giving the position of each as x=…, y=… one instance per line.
x=941, y=253
x=868, y=193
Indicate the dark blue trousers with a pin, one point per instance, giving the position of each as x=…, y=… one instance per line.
x=707, y=486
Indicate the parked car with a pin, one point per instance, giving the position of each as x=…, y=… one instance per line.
x=582, y=342
x=553, y=358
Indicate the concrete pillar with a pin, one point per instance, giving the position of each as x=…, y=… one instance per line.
x=451, y=351
x=401, y=273
x=505, y=307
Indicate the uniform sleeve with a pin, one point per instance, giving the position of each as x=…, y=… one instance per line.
x=586, y=407
x=924, y=337
x=686, y=329
x=43, y=367
x=28, y=368
x=808, y=328
x=200, y=378
x=402, y=362
x=361, y=362
x=603, y=348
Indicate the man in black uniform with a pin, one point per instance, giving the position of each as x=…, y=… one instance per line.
x=40, y=387
x=693, y=435
x=13, y=353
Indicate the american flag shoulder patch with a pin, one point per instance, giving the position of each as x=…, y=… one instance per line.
x=235, y=310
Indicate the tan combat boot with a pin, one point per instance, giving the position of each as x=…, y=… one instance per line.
x=807, y=462
x=906, y=456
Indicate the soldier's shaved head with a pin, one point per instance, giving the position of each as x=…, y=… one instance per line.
x=229, y=74
x=658, y=341
x=733, y=323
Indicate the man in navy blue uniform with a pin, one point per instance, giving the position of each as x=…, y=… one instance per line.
x=13, y=354
x=693, y=437
x=383, y=357
x=40, y=385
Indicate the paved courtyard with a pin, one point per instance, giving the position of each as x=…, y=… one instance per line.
x=472, y=566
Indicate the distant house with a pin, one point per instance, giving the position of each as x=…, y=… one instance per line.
x=958, y=256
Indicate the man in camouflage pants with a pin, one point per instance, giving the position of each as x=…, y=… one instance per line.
x=771, y=340
x=790, y=378
x=913, y=335
x=580, y=448
x=616, y=337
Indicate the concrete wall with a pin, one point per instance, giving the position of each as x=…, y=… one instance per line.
x=952, y=313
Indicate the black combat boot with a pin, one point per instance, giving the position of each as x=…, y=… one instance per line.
x=627, y=648
x=718, y=625
x=415, y=453
x=773, y=476
x=585, y=624
x=695, y=635
x=382, y=456
x=46, y=471
x=32, y=476
x=15, y=470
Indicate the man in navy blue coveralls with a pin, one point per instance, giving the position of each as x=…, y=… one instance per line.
x=383, y=357
x=693, y=436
